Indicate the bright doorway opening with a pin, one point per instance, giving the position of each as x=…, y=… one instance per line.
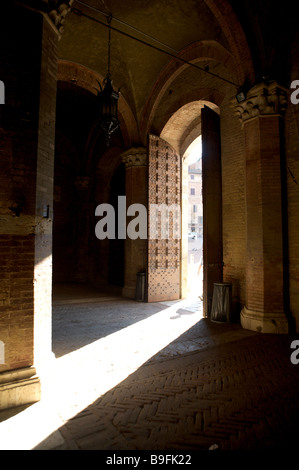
x=193, y=160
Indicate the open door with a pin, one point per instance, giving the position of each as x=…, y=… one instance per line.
x=212, y=205
x=164, y=222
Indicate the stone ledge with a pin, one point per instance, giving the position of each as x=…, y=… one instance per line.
x=19, y=387
x=273, y=323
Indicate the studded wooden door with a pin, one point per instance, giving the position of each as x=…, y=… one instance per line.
x=164, y=229
x=212, y=204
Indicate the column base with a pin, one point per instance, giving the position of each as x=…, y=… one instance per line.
x=19, y=387
x=129, y=292
x=273, y=323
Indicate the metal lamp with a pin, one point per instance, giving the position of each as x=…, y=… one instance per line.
x=108, y=99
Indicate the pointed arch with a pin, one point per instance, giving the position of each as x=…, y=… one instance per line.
x=235, y=36
x=88, y=79
x=198, y=51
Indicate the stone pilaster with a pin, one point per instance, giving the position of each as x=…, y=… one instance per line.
x=261, y=114
x=135, y=161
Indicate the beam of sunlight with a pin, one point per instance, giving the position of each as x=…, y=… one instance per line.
x=194, y=151
x=195, y=276
x=74, y=381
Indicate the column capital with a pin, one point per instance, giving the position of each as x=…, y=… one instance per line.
x=59, y=12
x=55, y=10
x=262, y=100
x=136, y=156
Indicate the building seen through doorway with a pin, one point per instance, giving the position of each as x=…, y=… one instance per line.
x=195, y=218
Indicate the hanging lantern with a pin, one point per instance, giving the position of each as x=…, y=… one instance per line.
x=108, y=100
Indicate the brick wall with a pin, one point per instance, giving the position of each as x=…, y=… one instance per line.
x=18, y=152
x=264, y=221
x=16, y=299
x=44, y=196
x=292, y=175
x=26, y=151
x=233, y=204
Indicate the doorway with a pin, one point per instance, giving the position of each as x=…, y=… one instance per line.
x=193, y=160
x=201, y=260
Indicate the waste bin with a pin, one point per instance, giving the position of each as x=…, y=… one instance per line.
x=222, y=303
x=140, y=287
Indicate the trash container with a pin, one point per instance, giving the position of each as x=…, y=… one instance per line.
x=140, y=287
x=222, y=303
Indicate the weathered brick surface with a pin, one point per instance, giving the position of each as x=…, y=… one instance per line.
x=264, y=219
x=242, y=394
x=233, y=205
x=17, y=300
x=292, y=176
x=26, y=155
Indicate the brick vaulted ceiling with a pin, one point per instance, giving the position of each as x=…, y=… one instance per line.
x=135, y=66
x=241, y=33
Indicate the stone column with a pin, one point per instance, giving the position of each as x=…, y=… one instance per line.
x=262, y=117
x=135, y=160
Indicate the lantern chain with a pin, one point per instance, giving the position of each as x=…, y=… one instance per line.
x=109, y=19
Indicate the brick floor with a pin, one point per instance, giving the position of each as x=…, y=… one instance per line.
x=214, y=385
x=241, y=393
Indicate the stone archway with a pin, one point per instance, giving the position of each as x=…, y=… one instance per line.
x=194, y=53
x=190, y=121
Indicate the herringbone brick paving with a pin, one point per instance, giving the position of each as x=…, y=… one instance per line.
x=240, y=394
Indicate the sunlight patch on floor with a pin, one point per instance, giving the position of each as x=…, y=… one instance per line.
x=74, y=381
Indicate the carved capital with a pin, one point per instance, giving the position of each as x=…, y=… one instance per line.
x=55, y=10
x=59, y=12
x=136, y=156
x=262, y=100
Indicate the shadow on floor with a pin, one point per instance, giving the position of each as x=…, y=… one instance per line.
x=7, y=414
x=241, y=392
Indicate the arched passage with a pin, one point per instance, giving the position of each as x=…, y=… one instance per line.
x=87, y=173
x=180, y=86
x=207, y=54
x=88, y=80
x=200, y=118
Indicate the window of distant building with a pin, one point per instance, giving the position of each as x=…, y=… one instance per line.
x=192, y=192
x=192, y=177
